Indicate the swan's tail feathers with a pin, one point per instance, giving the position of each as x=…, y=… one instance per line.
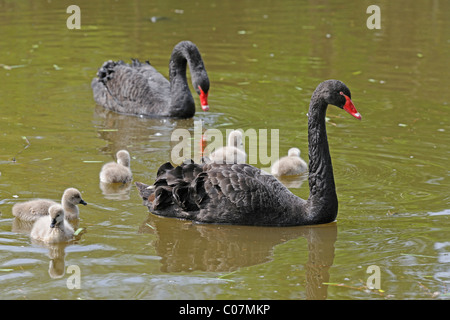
x=105, y=72
x=135, y=63
x=198, y=189
x=147, y=193
x=107, y=69
x=183, y=198
x=155, y=197
x=186, y=172
x=163, y=197
x=174, y=192
x=190, y=170
x=164, y=168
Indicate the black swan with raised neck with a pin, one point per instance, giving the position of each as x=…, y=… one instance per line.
x=244, y=195
x=138, y=89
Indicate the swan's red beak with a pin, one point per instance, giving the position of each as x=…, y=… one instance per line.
x=204, y=99
x=350, y=107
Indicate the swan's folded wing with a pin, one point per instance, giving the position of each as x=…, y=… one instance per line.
x=137, y=88
x=235, y=194
x=216, y=193
x=132, y=84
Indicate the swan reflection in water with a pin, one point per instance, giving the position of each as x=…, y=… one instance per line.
x=56, y=251
x=116, y=191
x=185, y=246
x=146, y=135
x=57, y=254
x=294, y=181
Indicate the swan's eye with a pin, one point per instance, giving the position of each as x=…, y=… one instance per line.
x=341, y=93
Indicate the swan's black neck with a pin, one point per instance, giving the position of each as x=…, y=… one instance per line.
x=322, y=201
x=182, y=103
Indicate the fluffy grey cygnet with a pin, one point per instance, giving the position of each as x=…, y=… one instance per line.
x=233, y=152
x=52, y=228
x=290, y=165
x=119, y=171
x=34, y=209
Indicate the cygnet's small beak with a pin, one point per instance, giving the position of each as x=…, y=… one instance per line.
x=53, y=224
x=83, y=202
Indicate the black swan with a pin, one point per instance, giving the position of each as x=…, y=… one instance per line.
x=243, y=194
x=138, y=89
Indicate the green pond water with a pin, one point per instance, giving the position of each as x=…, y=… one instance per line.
x=264, y=59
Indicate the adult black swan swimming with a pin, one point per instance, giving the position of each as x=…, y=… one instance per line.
x=138, y=89
x=242, y=194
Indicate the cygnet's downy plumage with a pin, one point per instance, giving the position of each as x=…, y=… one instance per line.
x=233, y=152
x=290, y=165
x=52, y=228
x=34, y=209
x=119, y=171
